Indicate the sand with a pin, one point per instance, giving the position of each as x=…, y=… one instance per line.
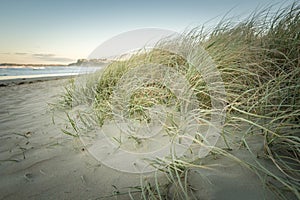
x=38, y=161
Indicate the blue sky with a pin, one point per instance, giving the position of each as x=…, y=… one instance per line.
x=61, y=31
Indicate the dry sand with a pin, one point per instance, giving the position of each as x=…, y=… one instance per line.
x=37, y=161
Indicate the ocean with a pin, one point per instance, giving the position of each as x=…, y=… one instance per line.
x=44, y=70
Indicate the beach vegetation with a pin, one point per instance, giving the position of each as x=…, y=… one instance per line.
x=259, y=63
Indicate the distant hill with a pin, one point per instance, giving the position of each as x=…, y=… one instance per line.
x=91, y=62
x=80, y=62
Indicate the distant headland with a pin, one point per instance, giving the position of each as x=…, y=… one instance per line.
x=80, y=62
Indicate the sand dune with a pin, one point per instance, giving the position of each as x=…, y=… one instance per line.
x=37, y=161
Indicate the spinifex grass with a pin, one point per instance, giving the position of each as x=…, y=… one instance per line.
x=259, y=62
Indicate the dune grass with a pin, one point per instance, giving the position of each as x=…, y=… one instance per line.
x=259, y=62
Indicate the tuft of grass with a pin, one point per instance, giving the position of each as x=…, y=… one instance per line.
x=259, y=62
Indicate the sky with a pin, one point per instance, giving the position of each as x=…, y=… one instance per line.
x=62, y=31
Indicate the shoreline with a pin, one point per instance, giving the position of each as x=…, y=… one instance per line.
x=28, y=79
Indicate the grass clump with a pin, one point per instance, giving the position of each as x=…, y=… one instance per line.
x=259, y=62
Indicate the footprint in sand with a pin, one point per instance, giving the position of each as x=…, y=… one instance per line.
x=29, y=177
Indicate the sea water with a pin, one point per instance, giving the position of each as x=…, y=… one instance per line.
x=41, y=70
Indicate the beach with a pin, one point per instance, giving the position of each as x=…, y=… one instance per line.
x=107, y=100
x=38, y=161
